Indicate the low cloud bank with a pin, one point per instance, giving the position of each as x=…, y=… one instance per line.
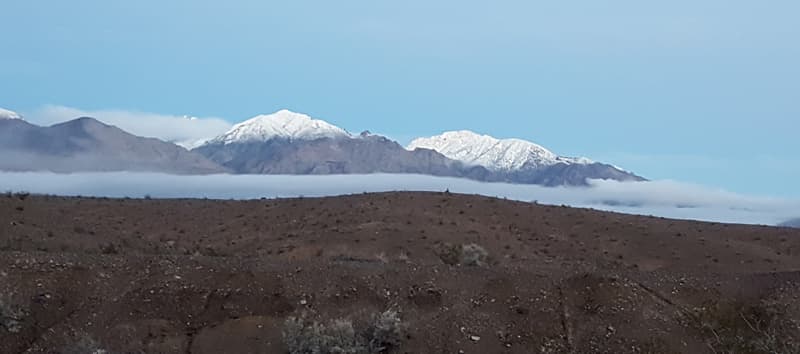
x=659, y=198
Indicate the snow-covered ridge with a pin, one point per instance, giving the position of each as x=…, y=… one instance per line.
x=6, y=114
x=465, y=146
x=283, y=124
x=492, y=153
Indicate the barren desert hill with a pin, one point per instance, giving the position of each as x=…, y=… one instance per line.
x=457, y=273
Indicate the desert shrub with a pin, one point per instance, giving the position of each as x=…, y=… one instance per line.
x=383, y=332
x=449, y=254
x=84, y=345
x=779, y=331
x=11, y=316
x=342, y=337
x=762, y=327
x=467, y=254
x=304, y=336
x=474, y=255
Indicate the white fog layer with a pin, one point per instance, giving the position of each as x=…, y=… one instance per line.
x=659, y=198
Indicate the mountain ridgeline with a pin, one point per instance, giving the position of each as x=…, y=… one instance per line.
x=87, y=145
x=791, y=223
x=290, y=143
x=327, y=155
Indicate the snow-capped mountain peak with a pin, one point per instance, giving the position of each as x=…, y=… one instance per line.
x=283, y=124
x=495, y=154
x=6, y=114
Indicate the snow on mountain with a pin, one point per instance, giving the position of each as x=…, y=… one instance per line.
x=189, y=144
x=283, y=124
x=6, y=114
x=492, y=153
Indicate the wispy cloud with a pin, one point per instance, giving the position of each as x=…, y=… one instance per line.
x=745, y=171
x=182, y=130
x=660, y=198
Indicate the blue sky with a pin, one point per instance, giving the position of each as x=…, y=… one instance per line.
x=698, y=91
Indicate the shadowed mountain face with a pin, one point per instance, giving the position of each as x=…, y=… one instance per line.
x=377, y=154
x=792, y=223
x=569, y=174
x=365, y=154
x=85, y=144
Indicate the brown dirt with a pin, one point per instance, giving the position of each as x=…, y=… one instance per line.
x=204, y=276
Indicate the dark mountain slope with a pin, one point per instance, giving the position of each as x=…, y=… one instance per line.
x=365, y=154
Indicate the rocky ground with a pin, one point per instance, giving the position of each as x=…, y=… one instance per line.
x=456, y=274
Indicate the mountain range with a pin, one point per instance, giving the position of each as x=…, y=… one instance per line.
x=290, y=143
x=86, y=144
x=791, y=223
